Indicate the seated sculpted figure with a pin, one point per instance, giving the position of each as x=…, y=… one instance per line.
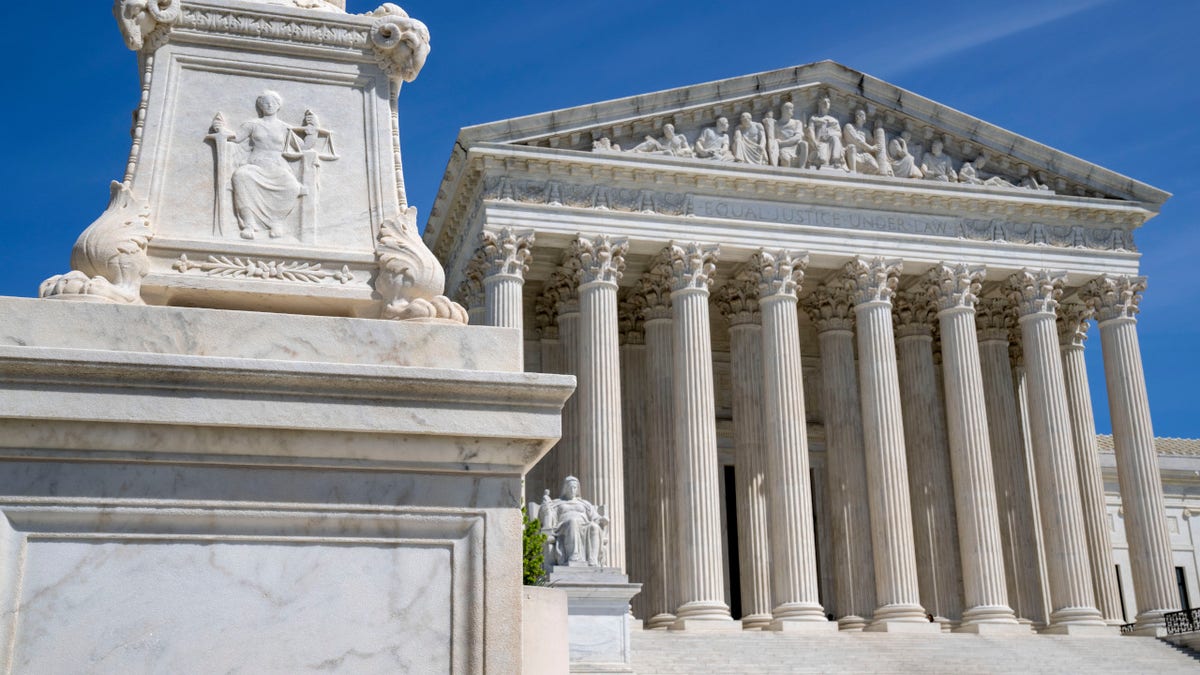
x=791, y=147
x=714, y=142
x=749, y=141
x=938, y=166
x=574, y=528
x=673, y=144
x=825, y=134
x=860, y=152
x=265, y=191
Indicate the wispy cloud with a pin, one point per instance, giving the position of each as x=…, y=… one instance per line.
x=955, y=37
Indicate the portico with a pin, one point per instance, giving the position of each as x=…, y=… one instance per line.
x=840, y=331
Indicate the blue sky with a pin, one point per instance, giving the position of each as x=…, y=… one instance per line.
x=1116, y=82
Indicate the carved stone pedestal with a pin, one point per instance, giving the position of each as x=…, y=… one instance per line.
x=598, y=617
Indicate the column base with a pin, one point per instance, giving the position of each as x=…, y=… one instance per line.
x=801, y=626
x=852, y=622
x=994, y=629
x=756, y=621
x=659, y=622
x=1081, y=630
x=1147, y=631
x=707, y=625
x=914, y=627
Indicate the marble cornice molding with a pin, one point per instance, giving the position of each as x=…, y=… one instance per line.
x=914, y=310
x=1035, y=291
x=671, y=187
x=1114, y=297
x=873, y=279
x=955, y=285
x=1073, y=324
x=831, y=306
x=737, y=300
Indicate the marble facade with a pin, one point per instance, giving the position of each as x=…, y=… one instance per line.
x=870, y=306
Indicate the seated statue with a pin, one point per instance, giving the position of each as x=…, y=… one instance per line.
x=749, y=141
x=714, y=142
x=938, y=166
x=673, y=144
x=861, y=154
x=574, y=528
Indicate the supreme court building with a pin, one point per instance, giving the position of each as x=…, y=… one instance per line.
x=829, y=337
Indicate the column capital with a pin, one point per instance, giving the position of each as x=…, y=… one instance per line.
x=955, y=285
x=831, y=306
x=1073, y=324
x=779, y=273
x=993, y=319
x=738, y=302
x=1114, y=296
x=655, y=293
x=563, y=288
x=545, y=315
x=914, y=311
x=470, y=291
x=688, y=265
x=506, y=252
x=630, y=307
x=873, y=279
x=1035, y=291
x=599, y=259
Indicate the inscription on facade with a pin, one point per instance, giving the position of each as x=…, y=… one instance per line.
x=791, y=214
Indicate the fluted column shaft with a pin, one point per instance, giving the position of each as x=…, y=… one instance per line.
x=545, y=474
x=1116, y=300
x=506, y=255
x=984, y=587
x=633, y=430
x=754, y=552
x=1072, y=331
x=896, y=586
x=789, y=495
x=567, y=462
x=1014, y=501
x=698, y=509
x=1021, y=393
x=935, y=533
x=1068, y=567
x=662, y=583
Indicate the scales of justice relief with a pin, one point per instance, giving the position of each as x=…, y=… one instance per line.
x=257, y=188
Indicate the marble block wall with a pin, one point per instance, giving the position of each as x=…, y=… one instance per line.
x=186, y=488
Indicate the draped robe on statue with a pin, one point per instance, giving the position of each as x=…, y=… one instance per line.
x=265, y=190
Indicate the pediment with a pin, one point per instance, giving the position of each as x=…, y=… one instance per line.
x=897, y=135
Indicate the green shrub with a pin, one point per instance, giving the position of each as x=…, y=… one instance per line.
x=534, y=571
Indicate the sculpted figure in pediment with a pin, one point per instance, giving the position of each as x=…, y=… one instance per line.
x=605, y=144
x=714, y=142
x=825, y=133
x=904, y=165
x=973, y=173
x=860, y=151
x=938, y=165
x=672, y=143
x=790, y=146
x=1028, y=180
x=749, y=141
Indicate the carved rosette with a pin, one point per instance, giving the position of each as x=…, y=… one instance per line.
x=411, y=281
x=145, y=23
x=630, y=307
x=955, y=286
x=738, y=302
x=690, y=265
x=505, y=253
x=109, y=259
x=992, y=319
x=1114, y=297
x=779, y=273
x=1073, y=323
x=600, y=259
x=400, y=42
x=831, y=307
x=915, y=311
x=873, y=280
x=1035, y=291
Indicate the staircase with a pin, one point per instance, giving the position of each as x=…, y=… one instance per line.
x=662, y=653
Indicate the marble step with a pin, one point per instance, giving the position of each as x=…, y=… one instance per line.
x=664, y=653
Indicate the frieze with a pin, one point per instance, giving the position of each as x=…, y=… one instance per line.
x=242, y=267
x=239, y=23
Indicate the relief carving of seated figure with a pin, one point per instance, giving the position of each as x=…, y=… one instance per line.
x=574, y=529
x=673, y=144
x=265, y=191
x=714, y=142
x=972, y=173
x=825, y=134
x=938, y=166
x=789, y=138
x=860, y=152
x=749, y=141
x=904, y=165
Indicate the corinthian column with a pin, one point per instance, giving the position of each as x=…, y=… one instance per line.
x=601, y=262
x=564, y=291
x=738, y=302
x=789, y=495
x=1072, y=331
x=470, y=290
x=874, y=281
x=955, y=289
x=698, y=510
x=633, y=431
x=1115, y=300
x=1073, y=606
x=831, y=308
x=935, y=533
x=1018, y=525
x=661, y=588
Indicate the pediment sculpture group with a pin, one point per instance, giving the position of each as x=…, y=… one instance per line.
x=825, y=142
x=576, y=530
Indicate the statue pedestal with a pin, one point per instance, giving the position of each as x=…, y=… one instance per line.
x=598, y=618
